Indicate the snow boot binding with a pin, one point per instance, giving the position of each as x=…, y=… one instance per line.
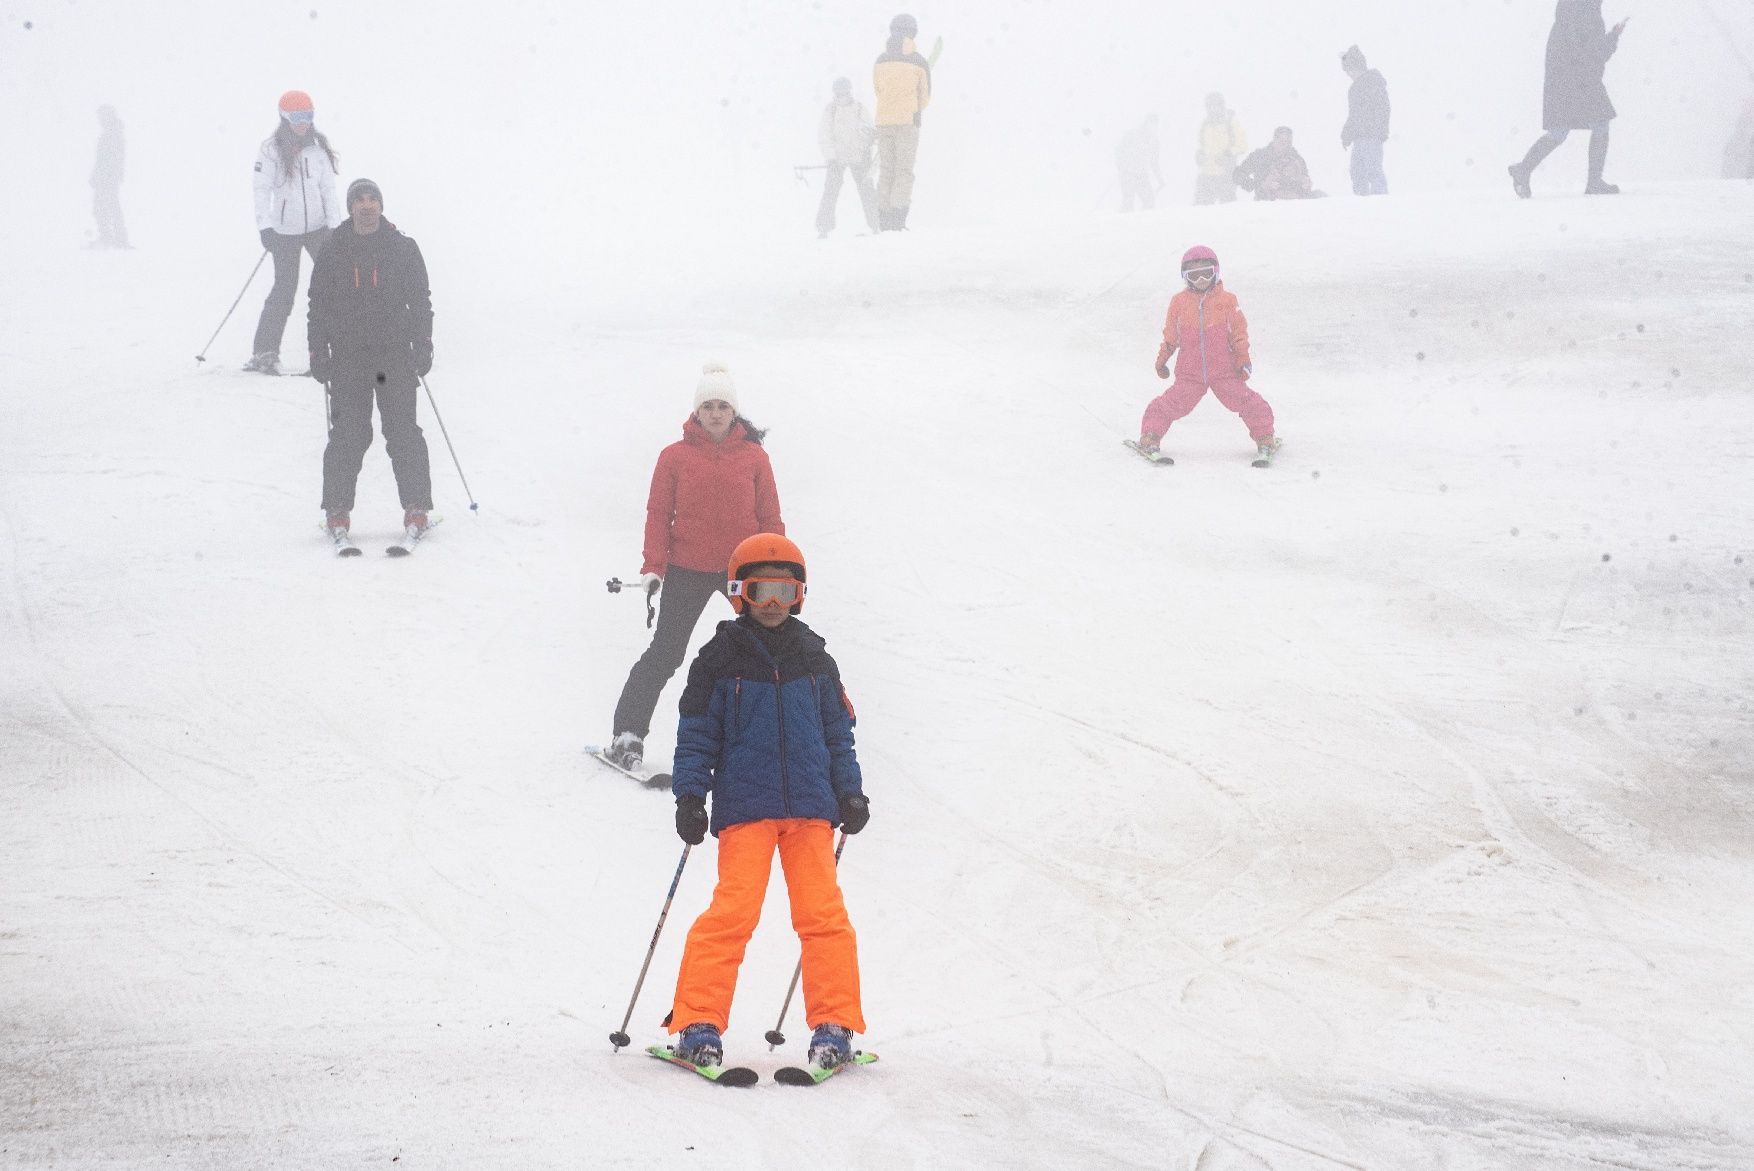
x=831, y=1046
x=627, y=752
x=700, y=1044
x=263, y=363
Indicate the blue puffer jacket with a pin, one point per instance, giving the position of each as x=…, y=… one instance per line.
x=766, y=727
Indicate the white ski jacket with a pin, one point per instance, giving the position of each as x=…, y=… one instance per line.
x=845, y=133
x=300, y=200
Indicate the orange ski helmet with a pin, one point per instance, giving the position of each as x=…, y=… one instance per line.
x=765, y=549
x=296, y=101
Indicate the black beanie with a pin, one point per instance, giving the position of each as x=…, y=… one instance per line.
x=904, y=25
x=359, y=187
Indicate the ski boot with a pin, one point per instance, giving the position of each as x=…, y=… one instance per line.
x=628, y=751
x=700, y=1044
x=337, y=522
x=263, y=363
x=831, y=1046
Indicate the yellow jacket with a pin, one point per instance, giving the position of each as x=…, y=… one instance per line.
x=1222, y=146
x=903, y=81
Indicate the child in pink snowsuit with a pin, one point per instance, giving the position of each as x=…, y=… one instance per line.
x=1205, y=324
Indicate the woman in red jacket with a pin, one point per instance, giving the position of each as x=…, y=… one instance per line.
x=710, y=491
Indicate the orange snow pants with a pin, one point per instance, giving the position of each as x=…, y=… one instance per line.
x=714, y=952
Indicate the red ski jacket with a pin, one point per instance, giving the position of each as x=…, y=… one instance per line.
x=706, y=497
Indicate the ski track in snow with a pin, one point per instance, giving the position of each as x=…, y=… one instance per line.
x=1354, y=813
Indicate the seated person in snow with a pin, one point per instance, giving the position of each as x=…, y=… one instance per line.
x=1276, y=171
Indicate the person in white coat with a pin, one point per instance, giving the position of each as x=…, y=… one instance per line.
x=845, y=135
x=296, y=208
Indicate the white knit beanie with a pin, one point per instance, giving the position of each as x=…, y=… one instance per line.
x=715, y=383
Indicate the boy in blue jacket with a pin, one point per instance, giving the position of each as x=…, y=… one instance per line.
x=767, y=729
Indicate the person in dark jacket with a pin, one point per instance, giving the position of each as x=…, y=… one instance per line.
x=1276, y=171
x=371, y=339
x=1575, y=97
x=106, y=180
x=711, y=489
x=1367, y=123
x=767, y=731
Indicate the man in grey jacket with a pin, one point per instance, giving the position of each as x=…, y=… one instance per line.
x=1367, y=123
x=845, y=135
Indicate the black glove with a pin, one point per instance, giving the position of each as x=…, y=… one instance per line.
x=691, y=819
x=855, y=811
x=422, y=362
x=320, y=366
x=268, y=235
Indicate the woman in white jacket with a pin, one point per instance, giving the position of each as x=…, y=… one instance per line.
x=296, y=208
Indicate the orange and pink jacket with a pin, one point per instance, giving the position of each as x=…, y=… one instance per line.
x=1211, y=334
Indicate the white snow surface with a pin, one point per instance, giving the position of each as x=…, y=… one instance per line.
x=1388, y=808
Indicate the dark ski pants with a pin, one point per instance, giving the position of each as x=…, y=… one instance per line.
x=278, y=307
x=358, y=380
x=831, y=182
x=685, y=594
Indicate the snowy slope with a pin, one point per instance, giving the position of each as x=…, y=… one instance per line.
x=1386, y=809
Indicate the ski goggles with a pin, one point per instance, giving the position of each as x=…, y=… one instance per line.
x=301, y=117
x=1200, y=272
x=768, y=591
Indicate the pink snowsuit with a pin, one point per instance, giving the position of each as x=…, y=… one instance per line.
x=1212, y=335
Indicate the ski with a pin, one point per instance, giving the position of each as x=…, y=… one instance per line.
x=1153, y=457
x=724, y=1075
x=649, y=780
x=412, y=537
x=1264, y=458
x=344, y=546
x=815, y=1075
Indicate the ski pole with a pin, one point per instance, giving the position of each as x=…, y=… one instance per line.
x=775, y=1038
x=441, y=422
x=202, y=356
x=619, y=1037
x=615, y=585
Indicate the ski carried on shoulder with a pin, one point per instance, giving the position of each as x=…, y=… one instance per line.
x=724, y=1075
x=649, y=780
x=412, y=536
x=815, y=1075
x=1150, y=457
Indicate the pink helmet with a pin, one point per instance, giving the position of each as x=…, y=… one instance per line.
x=1199, y=252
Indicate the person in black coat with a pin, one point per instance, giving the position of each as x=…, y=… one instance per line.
x=1576, y=97
x=106, y=180
x=371, y=338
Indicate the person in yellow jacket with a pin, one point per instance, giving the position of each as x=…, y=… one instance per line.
x=1222, y=146
x=903, y=81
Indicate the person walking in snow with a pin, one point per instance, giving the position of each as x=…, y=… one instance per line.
x=1137, y=158
x=106, y=180
x=1276, y=171
x=712, y=488
x=1739, y=151
x=296, y=209
x=1222, y=144
x=1367, y=123
x=845, y=135
x=1576, y=95
x=1207, y=328
x=903, y=81
x=767, y=731
x=370, y=333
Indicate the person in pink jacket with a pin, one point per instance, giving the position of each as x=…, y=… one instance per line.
x=1207, y=332
x=712, y=488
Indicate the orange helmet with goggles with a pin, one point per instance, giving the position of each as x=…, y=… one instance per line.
x=764, y=590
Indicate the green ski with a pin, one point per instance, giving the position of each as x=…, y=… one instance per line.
x=815, y=1075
